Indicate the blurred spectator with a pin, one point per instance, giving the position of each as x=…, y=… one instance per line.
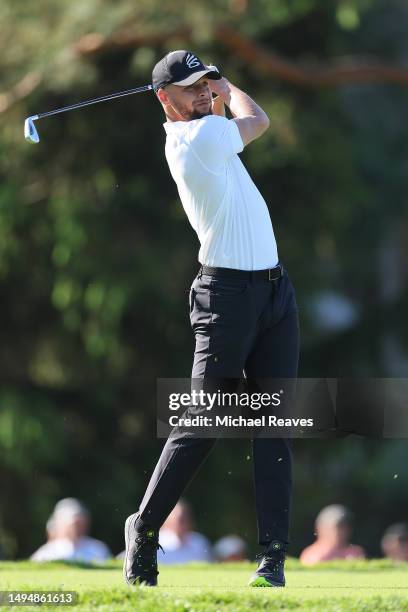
x=67, y=537
x=180, y=543
x=333, y=530
x=394, y=542
x=230, y=548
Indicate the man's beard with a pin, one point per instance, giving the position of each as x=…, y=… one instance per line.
x=189, y=115
x=197, y=115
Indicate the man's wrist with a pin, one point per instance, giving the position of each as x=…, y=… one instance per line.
x=218, y=107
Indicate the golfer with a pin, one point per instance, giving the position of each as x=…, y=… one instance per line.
x=243, y=308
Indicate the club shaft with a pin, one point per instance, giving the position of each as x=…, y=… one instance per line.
x=120, y=94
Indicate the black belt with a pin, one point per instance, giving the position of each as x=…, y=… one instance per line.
x=271, y=274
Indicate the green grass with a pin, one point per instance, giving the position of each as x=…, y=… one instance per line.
x=337, y=586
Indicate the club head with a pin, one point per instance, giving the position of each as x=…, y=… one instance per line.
x=30, y=131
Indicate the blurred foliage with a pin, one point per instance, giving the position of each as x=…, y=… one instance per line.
x=96, y=256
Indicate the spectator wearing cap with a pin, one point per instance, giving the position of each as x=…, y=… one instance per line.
x=333, y=530
x=394, y=542
x=230, y=548
x=67, y=538
x=180, y=543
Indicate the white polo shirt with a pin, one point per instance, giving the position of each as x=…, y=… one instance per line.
x=221, y=201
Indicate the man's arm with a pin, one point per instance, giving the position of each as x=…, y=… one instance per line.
x=251, y=120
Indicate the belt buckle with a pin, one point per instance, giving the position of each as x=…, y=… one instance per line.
x=270, y=279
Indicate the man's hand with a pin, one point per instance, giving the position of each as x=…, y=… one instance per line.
x=221, y=88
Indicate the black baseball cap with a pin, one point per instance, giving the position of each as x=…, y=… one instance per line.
x=181, y=68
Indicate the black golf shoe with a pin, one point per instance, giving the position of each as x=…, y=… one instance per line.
x=270, y=572
x=140, y=564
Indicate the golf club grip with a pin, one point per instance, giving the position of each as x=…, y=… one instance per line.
x=120, y=94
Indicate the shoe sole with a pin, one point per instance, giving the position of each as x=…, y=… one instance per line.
x=128, y=526
x=260, y=581
x=127, y=529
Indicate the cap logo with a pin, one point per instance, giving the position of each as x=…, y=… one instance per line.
x=192, y=61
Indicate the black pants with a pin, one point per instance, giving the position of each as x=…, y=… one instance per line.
x=239, y=326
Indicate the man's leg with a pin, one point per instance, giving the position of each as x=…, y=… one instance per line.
x=223, y=333
x=180, y=459
x=275, y=354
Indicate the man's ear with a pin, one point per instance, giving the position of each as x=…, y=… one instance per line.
x=163, y=97
x=168, y=109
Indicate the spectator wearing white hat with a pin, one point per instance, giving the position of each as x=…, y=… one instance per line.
x=67, y=538
x=333, y=530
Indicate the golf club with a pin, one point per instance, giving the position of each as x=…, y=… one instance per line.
x=30, y=131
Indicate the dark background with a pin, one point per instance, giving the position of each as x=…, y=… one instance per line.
x=97, y=257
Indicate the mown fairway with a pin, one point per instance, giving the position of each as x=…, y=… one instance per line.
x=370, y=585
